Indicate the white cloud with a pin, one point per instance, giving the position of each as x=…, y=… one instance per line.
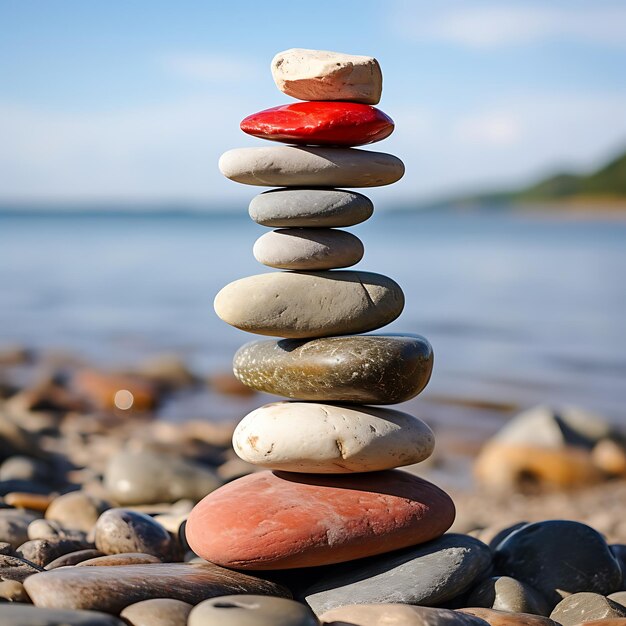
x=205, y=67
x=496, y=25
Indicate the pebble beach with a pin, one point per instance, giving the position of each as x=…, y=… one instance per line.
x=325, y=504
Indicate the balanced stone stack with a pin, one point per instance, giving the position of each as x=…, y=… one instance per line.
x=331, y=493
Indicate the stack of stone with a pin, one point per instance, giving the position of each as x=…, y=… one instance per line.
x=332, y=493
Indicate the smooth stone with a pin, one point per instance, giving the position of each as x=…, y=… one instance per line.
x=44, y=551
x=331, y=439
x=13, y=591
x=364, y=369
x=147, y=477
x=558, y=558
x=504, y=593
x=123, y=558
x=428, y=575
x=397, y=615
x=77, y=510
x=303, y=166
x=344, y=124
x=310, y=208
x=279, y=520
x=113, y=588
x=251, y=610
x=74, y=558
x=26, y=615
x=23, y=468
x=619, y=597
x=119, y=531
x=14, y=526
x=47, y=529
x=324, y=75
x=308, y=249
x=16, y=568
x=299, y=305
x=157, y=612
x=584, y=607
x=507, y=618
x=616, y=621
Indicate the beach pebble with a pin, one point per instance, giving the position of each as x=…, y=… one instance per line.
x=300, y=166
x=364, y=369
x=610, y=457
x=324, y=75
x=13, y=591
x=308, y=249
x=619, y=597
x=113, y=588
x=297, y=304
x=507, y=594
x=333, y=439
x=430, y=574
x=123, y=558
x=310, y=208
x=584, y=607
x=23, y=468
x=157, y=612
x=146, y=477
x=507, y=618
x=77, y=510
x=343, y=124
x=44, y=551
x=121, y=530
x=47, y=529
x=73, y=558
x=16, y=568
x=278, y=520
x=397, y=615
x=14, y=526
x=251, y=610
x=30, y=501
x=558, y=558
x=26, y=615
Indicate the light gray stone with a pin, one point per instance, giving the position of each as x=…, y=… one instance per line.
x=310, y=208
x=157, y=612
x=310, y=304
x=308, y=249
x=324, y=75
x=300, y=166
x=250, y=610
x=507, y=594
x=586, y=607
x=26, y=615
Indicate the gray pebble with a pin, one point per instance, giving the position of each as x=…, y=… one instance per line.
x=507, y=594
x=157, y=612
x=585, y=607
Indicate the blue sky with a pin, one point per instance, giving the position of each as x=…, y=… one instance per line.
x=135, y=101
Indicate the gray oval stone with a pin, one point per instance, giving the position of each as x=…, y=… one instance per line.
x=146, y=477
x=250, y=610
x=397, y=615
x=428, y=574
x=308, y=249
x=310, y=304
x=586, y=607
x=157, y=612
x=300, y=166
x=364, y=369
x=120, y=531
x=310, y=208
x=558, y=558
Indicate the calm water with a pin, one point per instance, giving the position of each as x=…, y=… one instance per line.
x=519, y=309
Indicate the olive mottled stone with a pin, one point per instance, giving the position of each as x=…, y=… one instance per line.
x=365, y=369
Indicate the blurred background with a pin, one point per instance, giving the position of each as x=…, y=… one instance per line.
x=507, y=232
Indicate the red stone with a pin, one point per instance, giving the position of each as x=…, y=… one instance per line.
x=320, y=124
x=279, y=520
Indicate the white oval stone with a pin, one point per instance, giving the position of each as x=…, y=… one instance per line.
x=330, y=438
x=308, y=249
x=323, y=75
x=303, y=166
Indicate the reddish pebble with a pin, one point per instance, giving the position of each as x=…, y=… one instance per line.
x=278, y=520
x=320, y=124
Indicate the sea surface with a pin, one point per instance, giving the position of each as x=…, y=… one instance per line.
x=520, y=308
